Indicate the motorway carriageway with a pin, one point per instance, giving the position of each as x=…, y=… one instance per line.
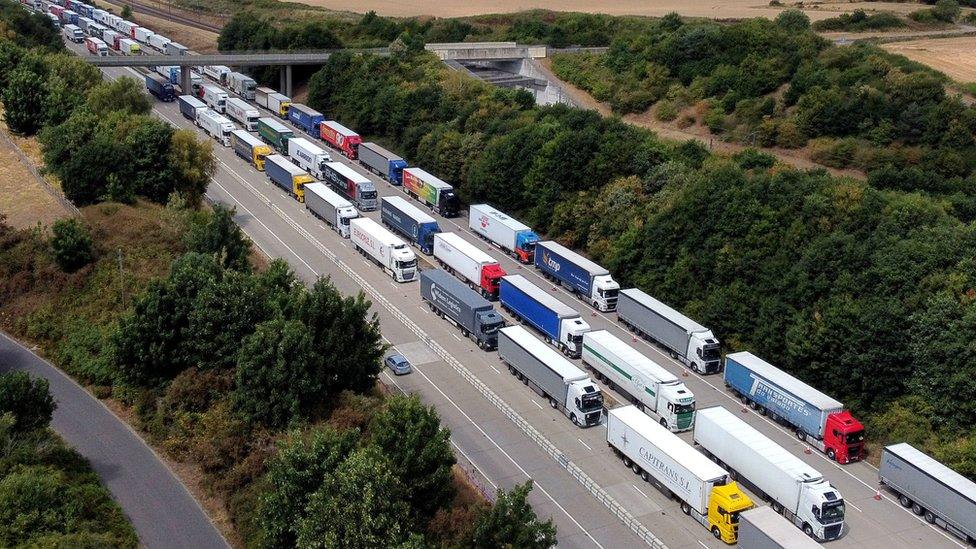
x=484, y=437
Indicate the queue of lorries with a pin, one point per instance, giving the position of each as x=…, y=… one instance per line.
x=703, y=477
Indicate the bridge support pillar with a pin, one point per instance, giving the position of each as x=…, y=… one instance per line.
x=185, y=82
x=284, y=80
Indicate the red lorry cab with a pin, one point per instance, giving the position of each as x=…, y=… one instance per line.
x=341, y=138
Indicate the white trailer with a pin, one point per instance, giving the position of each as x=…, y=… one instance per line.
x=650, y=387
x=129, y=47
x=477, y=268
x=111, y=38
x=327, y=205
x=73, y=33
x=243, y=113
x=372, y=240
x=125, y=27
x=217, y=72
x=683, y=338
x=509, y=234
x=763, y=528
x=159, y=43
x=309, y=156
x=273, y=101
x=790, y=485
x=216, y=125
x=142, y=34
x=566, y=387
x=215, y=98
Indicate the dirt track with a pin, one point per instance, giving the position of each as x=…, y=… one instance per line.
x=953, y=56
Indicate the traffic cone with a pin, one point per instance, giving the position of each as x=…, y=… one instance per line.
x=877, y=494
x=807, y=451
x=684, y=374
x=592, y=314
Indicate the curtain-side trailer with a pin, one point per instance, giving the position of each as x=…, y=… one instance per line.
x=382, y=162
x=327, y=205
x=509, y=234
x=584, y=278
x=562, y=326
x=452, y=300
x=410, y=222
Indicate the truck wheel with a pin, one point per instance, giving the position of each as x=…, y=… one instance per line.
x=776, y=506
x=929, y=517
x=572, y=417
x=627, y=462
x=808, y=530
x=553, y=403
x=917, y=509
x=716, y=532
x=685, y=508
x=645, y=477
x=831, y=454
x=905, y=502
x=800, y=435
x=636, y=469
x=664, y=423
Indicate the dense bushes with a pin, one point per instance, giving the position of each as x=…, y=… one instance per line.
x=858, y=21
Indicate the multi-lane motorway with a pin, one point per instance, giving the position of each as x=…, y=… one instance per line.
x=486, y=433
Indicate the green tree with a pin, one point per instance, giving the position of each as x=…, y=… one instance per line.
x=411, y=436
x=193, y=165
x=10, y=56
x=147, y=141
x=947, y=11
x=126, y=11
x=33, y=502
x=793, y=20
x=71, y=244
x=23, y=101
x=29, y=400
x=125, y=94
x=359, y=506
x=221, y=237
x=511, y=522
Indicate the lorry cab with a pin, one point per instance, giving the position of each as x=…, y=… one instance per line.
x=571, y=332
x=448, y=204
x=704, y=353
x=843, y=437
x=679, y=414
x=605, y=291
x=404, y=263
x=821, y=510
x=491, y=276
x=584, y=402
x=725, y=504
x=345, y=214
x=489, y=322
x=525, y=243
x=367, y=197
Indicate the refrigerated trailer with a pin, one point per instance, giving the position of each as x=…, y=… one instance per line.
x=651, y=388
x=288, y=176
x=459, y=257
x=436, y=194
x=560, y=324
x=217, y=72
x=309, y=156
x=815, y=417
x=327, y=205
x=355, y=187
x=243, y=113
x=566, y=387
x=584, y=278
x=382, y=162
x=932, y=490
x=510, y=235
x=684, y=339
x=791, y=486
x=410, y=222
x=214, y=97
x=250, y=148
x=704, y=489
x=216, y=125
x=451, y=300
x=372, y=240
x=763, y=528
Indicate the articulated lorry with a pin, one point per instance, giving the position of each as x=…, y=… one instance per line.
x=685, y=340
x=436, y=194
x=160, y=43
x=288, y=176
x=73, y=33
x=410, y=222
x=243, y=113
x=327, y=205
x=175, y=48
x=763, y=528
x=459, y=257
x=129, y=46
x=566, y=387
x=309, y=156
x=275, y=134
x=191, y=107
x=273, y=101
x=250, y=148
x=647, y=385
x=241, y=84
x=372, y=240
x=587, y=280
x=216, y=125
x=930, y=489
x=511, y=236
x=214, y=97
x=450, y=299
x=306, y=118
x=96, y=46
x=355, y=187
x=217, y=72
x=790, y=485
x=382, y=162
x=814, y=417
x=340, y=137
x=704, y=490
x=142, y=35
x=560, y=325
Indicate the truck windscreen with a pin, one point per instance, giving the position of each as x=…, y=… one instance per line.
x=592, y=401
x=368, y=195
x=832, y=511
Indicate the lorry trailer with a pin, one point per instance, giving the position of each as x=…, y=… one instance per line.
x=287, y=176
x=566, y=387
x=791, y=486
x=560, y=325
x=932, y=490
x=306, y=118
x=175, y=48
x=685, y=340
x=159, y=43
x=73, y=33
x=309, y=156
x=763, y=528
x=815, y=417
x=243, y=113
x=410, y=222
x=273, y=101
x=216, y=125
x=436, y=194
x=142, y=35
x=218, y=73
x=355, y=187
x=111, y=39
x=459, y=257
x=341, y=138
x=511, y=236
x=214, y=97
x=704, y=489
x=128, y=46
x=160, y=87
x=96, y=46
x=191, y=107
x=327, y=205
x=382, y=162
x=372, y=240
x=451, y=300
x=241, y=84
x=651, y=388
x=250, y=148
x=275, y=134
x=587, y=280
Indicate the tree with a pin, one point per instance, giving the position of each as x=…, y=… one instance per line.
x=193, y=165
x=29, y=400
x=147, y=141
x=71, y=244
x=126, y=11
x=124, y=94
x=23, y=101
x=222, y=238
x=294, y=474
x=946, y=11
x=793, y=20
x=359, y=506
x=411, y=436
x=511, y=522
x=33, y=501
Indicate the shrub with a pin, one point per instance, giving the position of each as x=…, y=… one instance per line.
x=71, y=244
x=29, y=400
x=666, y=111
x=789, y=136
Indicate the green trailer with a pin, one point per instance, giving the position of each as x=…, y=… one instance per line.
x=275, y=134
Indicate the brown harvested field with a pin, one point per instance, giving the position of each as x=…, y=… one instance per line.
x=954, y=56
x=23, y=199
x=721, y=9
x=198, y=40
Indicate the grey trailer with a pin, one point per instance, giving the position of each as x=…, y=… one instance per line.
x=174, y=48
x=932, y=490
x=382, y=162
x=451, y=299
x=763, y=528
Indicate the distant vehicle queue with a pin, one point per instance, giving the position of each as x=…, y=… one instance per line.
x=462, y=294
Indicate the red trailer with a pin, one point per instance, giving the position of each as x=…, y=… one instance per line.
x=340, y=137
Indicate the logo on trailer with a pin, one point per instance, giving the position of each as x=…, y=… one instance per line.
x=485, y=221
x=550, y=262
x=772, y=394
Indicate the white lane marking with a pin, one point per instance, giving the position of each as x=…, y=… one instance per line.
x=700, y=542
x=639, y=490
x=585, y=445
x=849, y=504
x=456, y=337
x=493, y=368
x=537, y=404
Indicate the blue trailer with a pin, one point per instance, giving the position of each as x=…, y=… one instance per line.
x=589, y=281
x=409, y=221
x=306, y=118
x=382, y=162
x=190, y=106
x=160, y=87
x=560, y=324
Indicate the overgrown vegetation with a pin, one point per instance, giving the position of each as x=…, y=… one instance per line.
x=944, y=11
x=859, y=21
